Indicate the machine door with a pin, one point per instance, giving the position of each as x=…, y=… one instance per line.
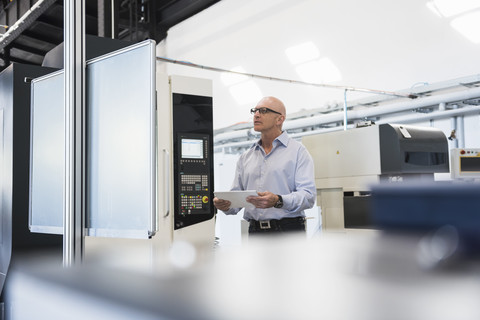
x=120, y=145
x=193, y=159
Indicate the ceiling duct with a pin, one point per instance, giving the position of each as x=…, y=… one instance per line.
x=24, y=22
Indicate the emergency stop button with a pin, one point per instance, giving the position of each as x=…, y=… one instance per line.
x=205, y=199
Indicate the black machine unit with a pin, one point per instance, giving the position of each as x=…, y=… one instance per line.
x=406, y=151
x=15, y=238
x=193, y=159
x=411, y=150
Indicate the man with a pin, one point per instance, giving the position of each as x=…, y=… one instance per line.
x=280, y=169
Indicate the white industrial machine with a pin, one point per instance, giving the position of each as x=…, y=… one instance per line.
x=347, y=163
x=149, y=159
x=185, y=212
x=465, y=164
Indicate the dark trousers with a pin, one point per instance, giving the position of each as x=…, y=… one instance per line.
x=284, y=225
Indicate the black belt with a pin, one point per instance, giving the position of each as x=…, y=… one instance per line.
x=275, y=225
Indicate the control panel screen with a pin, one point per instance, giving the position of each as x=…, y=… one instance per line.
x=470, y=164
x=192, y=149
x=465, y=163
x=194, y=175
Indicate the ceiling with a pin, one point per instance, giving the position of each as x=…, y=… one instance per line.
x=42, y=26
x=374, y=44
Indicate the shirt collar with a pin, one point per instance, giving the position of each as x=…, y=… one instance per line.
x=282, y=138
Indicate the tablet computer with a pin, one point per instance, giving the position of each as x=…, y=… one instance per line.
x=237, y=198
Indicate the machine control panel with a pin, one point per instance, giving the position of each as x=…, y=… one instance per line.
x=194, y=184
x=193, y=159
x=465, y=163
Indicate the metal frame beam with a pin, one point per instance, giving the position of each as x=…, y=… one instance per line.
x=74, y=192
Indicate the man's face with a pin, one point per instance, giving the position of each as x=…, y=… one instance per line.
x=263, y=122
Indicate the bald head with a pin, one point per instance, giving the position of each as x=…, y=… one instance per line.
x=272, y=103
x=270, y=123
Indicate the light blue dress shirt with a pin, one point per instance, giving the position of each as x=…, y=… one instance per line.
x=287, y=170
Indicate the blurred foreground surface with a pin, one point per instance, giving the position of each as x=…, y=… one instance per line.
x=354, y=275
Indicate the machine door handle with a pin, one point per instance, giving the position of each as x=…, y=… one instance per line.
x=166, y=182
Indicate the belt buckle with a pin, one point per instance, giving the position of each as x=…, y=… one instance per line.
x=265, y=224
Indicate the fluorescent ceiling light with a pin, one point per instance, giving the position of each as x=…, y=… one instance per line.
x=302, y=53
x=468, y=25
x=246, y=92
x=448, y=8
x=319, y=71
x=431, y=5
x=229, y=79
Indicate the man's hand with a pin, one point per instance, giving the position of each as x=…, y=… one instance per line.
x=221, y=204
x=264, y=200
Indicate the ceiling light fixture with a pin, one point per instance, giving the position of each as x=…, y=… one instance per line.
x=229, y=78
x=319, y=71
x=448, y=8
x=468, y=25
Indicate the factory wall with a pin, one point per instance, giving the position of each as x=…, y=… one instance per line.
x=368, y=44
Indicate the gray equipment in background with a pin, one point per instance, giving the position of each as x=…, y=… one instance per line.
x=347, y=163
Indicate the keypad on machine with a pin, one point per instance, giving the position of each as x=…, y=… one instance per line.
x=193, y=182
x=190, y=202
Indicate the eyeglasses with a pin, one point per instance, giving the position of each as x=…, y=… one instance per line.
x=263, y=110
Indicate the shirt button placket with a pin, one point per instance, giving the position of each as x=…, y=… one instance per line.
x=262, y=174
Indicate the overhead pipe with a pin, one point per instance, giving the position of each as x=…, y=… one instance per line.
x=453, y=126
x=460, y=133
x=431, y=116
x=386, y=109
x=294, y=135
x=345, y=110
x=321, y=85
x=410, y=118
x=287, y=125
x=364, y=113
x=405, y=119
